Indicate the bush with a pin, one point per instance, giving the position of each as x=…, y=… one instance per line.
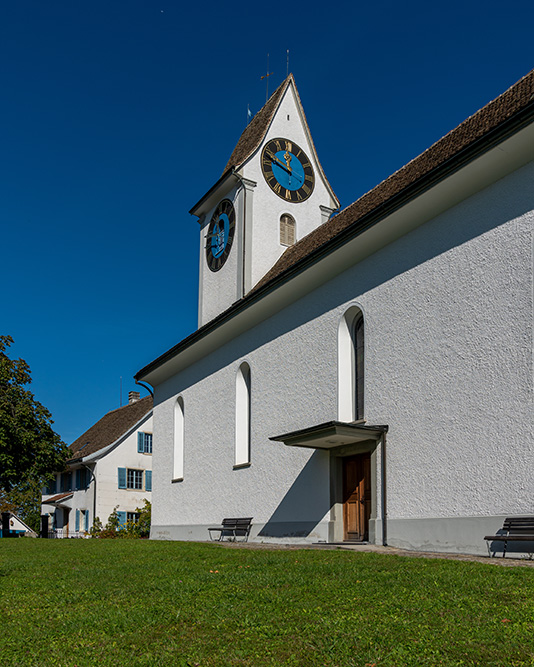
x=132, y=529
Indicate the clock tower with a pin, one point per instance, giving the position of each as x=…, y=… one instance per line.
x=272, y=193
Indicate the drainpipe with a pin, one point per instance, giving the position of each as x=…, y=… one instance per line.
x=384, y=492
x=243, y=271
x=94, y=487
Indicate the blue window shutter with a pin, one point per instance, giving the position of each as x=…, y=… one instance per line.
x=79, y=478
x=122, y=518
x=77, y=520
x=86, y=527
x=122, y=478
x=148, y=480
x=140, y=442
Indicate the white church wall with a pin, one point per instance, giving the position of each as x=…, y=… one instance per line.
x=448, y=342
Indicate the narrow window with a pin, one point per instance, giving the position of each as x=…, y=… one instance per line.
x=242, y=416
x=351, y=346
x=179, y=429
x=358, y=366
x=287, y=230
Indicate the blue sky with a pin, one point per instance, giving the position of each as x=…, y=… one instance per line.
x=118, y=115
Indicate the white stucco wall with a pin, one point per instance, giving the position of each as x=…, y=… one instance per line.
x=125, y=455
x=448, y=366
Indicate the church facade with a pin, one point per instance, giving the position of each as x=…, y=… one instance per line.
x=365, y=376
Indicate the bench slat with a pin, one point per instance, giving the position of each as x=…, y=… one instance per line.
x=233, y=527
x=518, y=529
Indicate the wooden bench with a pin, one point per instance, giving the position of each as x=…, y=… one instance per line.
x=232, y=529
x=516, y=529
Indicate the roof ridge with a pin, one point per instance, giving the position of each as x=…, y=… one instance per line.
x=451, y=144
x=255, y=131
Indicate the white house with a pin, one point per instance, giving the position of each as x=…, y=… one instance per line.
x=12, y=524
x=366, y=376
x=111, y=466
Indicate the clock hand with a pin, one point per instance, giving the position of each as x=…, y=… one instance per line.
x=279, y=162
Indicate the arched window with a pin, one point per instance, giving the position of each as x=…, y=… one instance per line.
x=242, y=415
x=178, y=450
x=287, y=230
x=351, y=366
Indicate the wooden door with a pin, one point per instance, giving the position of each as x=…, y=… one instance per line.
x=356, y=497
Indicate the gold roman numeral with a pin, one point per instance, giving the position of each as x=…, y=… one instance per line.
x=277, y=188
x=278, y=145
x=288, y=194
x=306, y=189
x=289, y=146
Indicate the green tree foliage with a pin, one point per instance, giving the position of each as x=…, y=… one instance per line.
x=24, y=500
x=29, y=447
x=145, y=517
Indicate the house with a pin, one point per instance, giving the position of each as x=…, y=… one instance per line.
x=13, y=526
x=110, y=466
x=362, y=376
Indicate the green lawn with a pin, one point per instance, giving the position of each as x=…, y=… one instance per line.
x=136, y=602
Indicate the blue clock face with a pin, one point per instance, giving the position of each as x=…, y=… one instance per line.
x=220, y=235
x=287, y=170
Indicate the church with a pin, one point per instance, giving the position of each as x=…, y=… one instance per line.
x=363, y=375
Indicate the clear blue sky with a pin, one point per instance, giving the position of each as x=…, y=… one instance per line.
x=118, y=115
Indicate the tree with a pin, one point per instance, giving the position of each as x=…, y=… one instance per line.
x=30, y=450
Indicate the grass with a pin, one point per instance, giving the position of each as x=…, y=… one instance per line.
x=136, y=602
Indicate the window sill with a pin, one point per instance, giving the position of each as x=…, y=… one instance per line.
x=178, y=479
x=238, y=466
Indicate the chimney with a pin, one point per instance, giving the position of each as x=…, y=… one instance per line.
x=133, y=397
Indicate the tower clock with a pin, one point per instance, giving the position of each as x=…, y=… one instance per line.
x=220, y=235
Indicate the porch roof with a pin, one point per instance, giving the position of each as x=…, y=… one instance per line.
x=331, y=435
x=58, y=499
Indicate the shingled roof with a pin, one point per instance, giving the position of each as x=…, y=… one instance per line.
x=110, y=428
x=481, y=125
x=497, y=120
x=256, y=130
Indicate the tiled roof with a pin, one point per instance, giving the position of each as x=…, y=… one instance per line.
x=110, y=428
x=60, y=496
x=449, y=148
x=255, y=131
x=501, y=114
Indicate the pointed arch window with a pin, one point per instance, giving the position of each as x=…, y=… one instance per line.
x=287, y=229
x=178, y=448
x=242, y=416
x=351, y=366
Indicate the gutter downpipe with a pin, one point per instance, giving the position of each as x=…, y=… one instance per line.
x=94, y=488
x=243, y=270
x=384, y=492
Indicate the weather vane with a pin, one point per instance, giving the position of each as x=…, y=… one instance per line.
x=266, y=77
